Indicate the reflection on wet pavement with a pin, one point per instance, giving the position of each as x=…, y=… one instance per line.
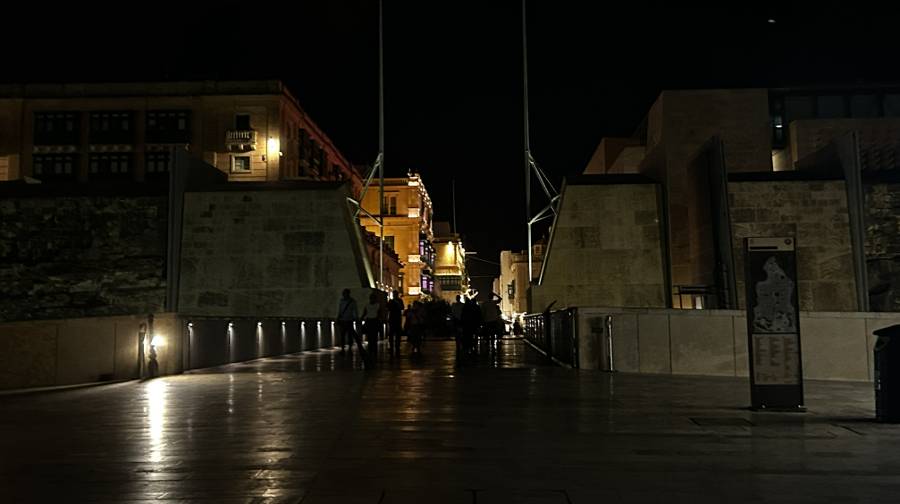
x=503, y=427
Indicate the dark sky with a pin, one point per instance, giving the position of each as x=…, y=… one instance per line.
x=453, y=72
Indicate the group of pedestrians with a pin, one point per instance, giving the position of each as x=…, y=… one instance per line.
x=468, y=322
x=471, y=321
x=377, y=315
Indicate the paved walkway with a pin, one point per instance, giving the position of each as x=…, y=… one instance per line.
x=313, y=428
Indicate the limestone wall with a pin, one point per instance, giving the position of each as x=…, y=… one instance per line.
x=605, y=249
x=81, y=256
x=834, y=345
x=83, y=350
x=815, y=212
x=269, y=253
x=883, y=246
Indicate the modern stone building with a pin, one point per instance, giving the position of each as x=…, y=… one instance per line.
x=253, y=131
x=817, y=164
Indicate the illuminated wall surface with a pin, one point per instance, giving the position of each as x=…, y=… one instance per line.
x=269, y=253
x=259, y=122
x=815, y=212
x=605, y=249
x=407, y=218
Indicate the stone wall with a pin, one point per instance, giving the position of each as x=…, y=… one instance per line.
x=681, y=123
x=834, y=346
x=46, y=353
x=269, y=253
x=815, y=212
x=605, y=249
x=883, y=246
x=81, y=256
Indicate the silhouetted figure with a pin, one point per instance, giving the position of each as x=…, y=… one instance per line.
x=372, y=321
x=471, y=320
x=456, y=313
x=415, y=326
x=492, y=322
x=347, y=315
x=395, y=323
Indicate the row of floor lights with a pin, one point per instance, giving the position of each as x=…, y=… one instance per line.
x=259, y=336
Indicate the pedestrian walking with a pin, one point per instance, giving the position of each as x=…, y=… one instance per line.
x=471, y=321
x=347, y=316
x=371, y=316
x=395, y=323
x=492, y=322
x=456, y=314
x=415, y=326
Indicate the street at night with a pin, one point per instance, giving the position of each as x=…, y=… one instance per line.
x=311, y=428
x=523, y=252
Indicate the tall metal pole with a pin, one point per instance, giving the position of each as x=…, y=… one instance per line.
x=453, y=198
x=381, y=142
x=527, y=139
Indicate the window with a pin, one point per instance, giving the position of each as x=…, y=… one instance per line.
x=110, y=166
x=168, y=126
x=316, y=156
x=55, y=166
x=830, y=106
x=892, y=105
x=157, y=163
x=390, y=204
x=389, y=241
x=798, y=107
x=56, y=128
x=240, y=164
x=242, y=122
x=323, y=162
x=305, y=144
x=864, y=106
x=111, y=128
x=450, y=283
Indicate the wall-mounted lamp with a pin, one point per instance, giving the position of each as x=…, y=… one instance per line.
x=273, y=145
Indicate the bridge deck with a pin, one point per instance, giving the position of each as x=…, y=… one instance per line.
x=314, y=428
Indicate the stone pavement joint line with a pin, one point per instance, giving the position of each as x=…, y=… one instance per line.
x=503, y=428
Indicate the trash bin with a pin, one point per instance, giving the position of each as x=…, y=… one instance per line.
x=887, y=374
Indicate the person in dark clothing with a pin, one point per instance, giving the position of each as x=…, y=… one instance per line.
x=415, y=326
x=395, y=323
x=471, y=321
x=347, y=315
x=456, y=311
x=372, y=322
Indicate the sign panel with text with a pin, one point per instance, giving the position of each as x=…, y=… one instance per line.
x=773, y=323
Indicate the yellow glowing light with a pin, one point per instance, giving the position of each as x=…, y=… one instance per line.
x=157, y=341
x=155, y=420
x=273, y=145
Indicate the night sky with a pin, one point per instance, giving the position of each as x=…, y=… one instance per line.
x=453, y=73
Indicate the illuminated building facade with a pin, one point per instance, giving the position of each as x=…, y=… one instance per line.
x=514, y=283
x=407, y=230
x=449, y=263
x=252, y=130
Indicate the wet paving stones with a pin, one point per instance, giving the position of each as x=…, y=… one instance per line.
x=503, y=427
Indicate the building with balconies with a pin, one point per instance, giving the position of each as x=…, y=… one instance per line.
x=450, y=271
x=252, y=130
x=407, y=229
